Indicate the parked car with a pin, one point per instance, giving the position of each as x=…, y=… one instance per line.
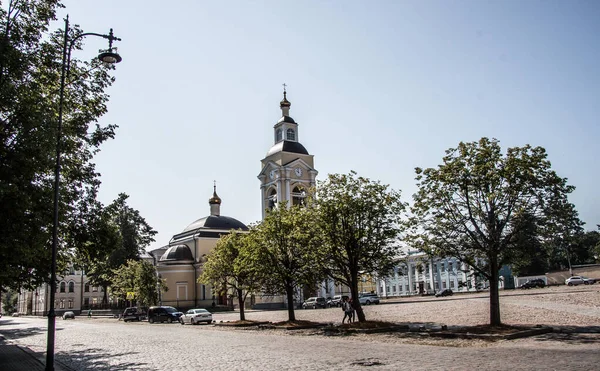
x=368, y=299
x=444, y=292
x=314, y=303
x=68, y=315
x=162, y=314
x=337, y=300
x=194, y=316
x=578, y=280
x=538, y=282
x=133, y=314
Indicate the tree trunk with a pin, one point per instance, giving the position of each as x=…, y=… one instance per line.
x=289, y=290
x=494, y=294
x=355, y=301
x=105, y=297
x=241, y=304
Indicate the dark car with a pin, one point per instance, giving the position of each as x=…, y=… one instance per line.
x=444, y=292
x=133, y=314
x=538, y=282
x=163, y=314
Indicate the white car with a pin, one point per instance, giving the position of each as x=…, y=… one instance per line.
x=194, y=316
x=579, y=280
x=368, y=299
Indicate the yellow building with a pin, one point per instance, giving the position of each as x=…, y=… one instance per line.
x=180, y=264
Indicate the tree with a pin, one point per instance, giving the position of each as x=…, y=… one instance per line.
x=115, y=234
x=285, y=252
x=30, y=66
x=530, y=257
x=140, y=278
x=360, y=223
x=469, y=206
x=226, y=268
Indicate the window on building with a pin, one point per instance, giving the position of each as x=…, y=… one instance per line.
x=451, y=284
x=272, y=199
x=70, y=304
x=61, y=304
x=63, y=287
x=71, y=286
x=298, y=196
x=394, y=289
x=278, y=135
x=387, y=289
x=94, y=288
x=443, y=284
x=442, y=267
x=86, y=302
x=86, y=287
x=450, y=266
x=290, y=134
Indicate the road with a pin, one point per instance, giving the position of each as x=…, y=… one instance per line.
x=107, y=344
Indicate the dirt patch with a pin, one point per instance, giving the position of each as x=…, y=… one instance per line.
x=245, y=323
x=297, y=325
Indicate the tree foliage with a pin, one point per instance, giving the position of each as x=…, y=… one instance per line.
x=139, y=277
x=285, y=252
x=114, y=235
x=30, y=66
x=473, y=205
x=227, y=268
x=360, y=223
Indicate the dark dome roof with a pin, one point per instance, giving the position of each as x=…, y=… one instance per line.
x=286, y=119
x=217, y=222
x=287, y=146
x=177, y=253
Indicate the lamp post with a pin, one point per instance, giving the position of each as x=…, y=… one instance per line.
x=107, y=57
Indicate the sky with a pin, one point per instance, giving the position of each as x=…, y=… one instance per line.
x=379, y=87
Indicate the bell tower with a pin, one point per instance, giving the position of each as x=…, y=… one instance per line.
x=288, y=170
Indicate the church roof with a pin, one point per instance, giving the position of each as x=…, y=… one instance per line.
x=178, y=253
x=287, y=119
x=216, y=222
x=287, y=146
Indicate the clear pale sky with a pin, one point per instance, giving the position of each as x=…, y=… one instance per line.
x=379, y=87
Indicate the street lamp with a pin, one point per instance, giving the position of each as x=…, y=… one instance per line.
x=109, y=57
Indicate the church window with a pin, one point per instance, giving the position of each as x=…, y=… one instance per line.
x=63, y=287
x=298, y=196
x=278, y=135
x=71, y=286
x=290, y=134
x=272, y=199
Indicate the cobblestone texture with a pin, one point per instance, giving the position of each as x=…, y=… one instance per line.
x=107, y=344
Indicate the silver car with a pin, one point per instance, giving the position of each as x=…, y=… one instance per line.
x=194, y=316
x=579, y=280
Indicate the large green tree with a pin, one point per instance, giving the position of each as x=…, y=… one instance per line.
x=30, y=65
x=471, y=205
x=227, y=268
x=285, y=252
x=360, y=223
x=140, y=278
x=114, y=234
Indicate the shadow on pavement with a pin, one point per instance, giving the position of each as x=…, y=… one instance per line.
x=97, y=359
x=573, y=334
x=23, y=332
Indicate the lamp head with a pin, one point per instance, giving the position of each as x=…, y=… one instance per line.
x=110, y=57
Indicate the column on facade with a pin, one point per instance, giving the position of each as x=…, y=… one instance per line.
x=409, y=275
x=288, y=191
x=431, y=281
x=279, y=190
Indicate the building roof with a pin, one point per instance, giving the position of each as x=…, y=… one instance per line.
x=287, y=146
x=216, y=222
x=286, y=119
x=177, y=253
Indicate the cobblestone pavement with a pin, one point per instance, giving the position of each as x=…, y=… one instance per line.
x=107, y=344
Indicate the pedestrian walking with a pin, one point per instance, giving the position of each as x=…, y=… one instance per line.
x=348, y=310
x=90, y=313
x=351, y=310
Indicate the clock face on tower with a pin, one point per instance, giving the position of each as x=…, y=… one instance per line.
x=298, y=171
x=272, y=174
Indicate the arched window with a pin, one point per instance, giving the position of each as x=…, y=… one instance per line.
x=298, y=196
x=71, y=286
x=278, y=135
x=87, y=287
x=290, y=134
x=272, y=199
x=63, y=287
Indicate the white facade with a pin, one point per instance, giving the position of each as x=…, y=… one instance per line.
x=421, y=274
